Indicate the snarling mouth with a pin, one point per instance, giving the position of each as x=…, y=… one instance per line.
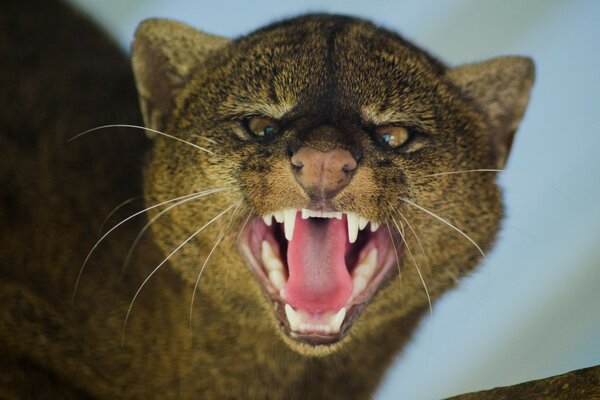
x=319, y=268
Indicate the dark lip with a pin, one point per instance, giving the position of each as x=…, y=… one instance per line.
x=377, y=284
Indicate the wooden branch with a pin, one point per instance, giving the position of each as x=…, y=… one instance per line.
x=583, y=384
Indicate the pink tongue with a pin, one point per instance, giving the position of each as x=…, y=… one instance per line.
x=318, y=278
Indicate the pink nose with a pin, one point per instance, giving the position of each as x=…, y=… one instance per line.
x=323, y=174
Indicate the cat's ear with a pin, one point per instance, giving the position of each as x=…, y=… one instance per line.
x=164, y=54
x=500, y=87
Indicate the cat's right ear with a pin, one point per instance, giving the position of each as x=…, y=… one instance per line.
x=164, y=53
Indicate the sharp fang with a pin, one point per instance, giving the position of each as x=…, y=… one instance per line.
x=352, y=227
x=267, y=219
x=293, y=317
x=336, y=322
x=278, y=216
x=374, y=226
x=362, y=222
x=289, y=220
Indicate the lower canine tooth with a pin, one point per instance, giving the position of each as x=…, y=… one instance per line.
x=336, y=322
x=293, y=317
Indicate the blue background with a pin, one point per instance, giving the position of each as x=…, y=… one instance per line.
x=532, y=309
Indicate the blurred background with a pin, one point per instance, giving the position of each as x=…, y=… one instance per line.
x=533, y=309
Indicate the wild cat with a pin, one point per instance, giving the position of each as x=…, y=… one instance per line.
x=314, y=186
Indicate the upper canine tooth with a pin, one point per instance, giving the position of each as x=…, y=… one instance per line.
x=352, y=227
x=289, y=221
x=267, y=219
x=374, y=226
x=362, y=222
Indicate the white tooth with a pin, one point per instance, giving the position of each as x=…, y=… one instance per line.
x=293, y=318
x=338, y=215
x=277, y=279
x=336, y=322
x=289, y=221
x=282, y=294
x=305, y=213
x=362, y=222
x=366, y=266
x=267, y=219
x=278, y=216
x=374, y=226
x=270, y=260
x=359, y=283
x=352, y=227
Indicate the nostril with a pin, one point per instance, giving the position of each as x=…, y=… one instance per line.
x=296, y=161
x=349, y=165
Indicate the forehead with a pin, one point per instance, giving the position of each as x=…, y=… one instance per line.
x=331, y=63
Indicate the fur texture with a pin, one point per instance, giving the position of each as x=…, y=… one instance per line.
x=329, y=79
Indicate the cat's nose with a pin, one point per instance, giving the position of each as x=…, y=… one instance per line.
x=323, y=174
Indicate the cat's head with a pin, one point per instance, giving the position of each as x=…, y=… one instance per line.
x=335, y=156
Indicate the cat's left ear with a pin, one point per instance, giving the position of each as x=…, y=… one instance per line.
x=500, y=88
x=164, y=54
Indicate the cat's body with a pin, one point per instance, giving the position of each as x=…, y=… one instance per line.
x=57, y=194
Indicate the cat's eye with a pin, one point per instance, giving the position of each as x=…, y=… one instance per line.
x=262, y=126
x=392, y=136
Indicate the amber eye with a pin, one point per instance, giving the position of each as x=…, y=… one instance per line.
x=262, y=126
x=392, y=136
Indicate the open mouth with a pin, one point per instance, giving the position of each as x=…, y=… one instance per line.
x=319, y=268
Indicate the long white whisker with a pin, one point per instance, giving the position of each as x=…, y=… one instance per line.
x=237, y=239
x=465, y=171
x=145, y=228
x=143, y=128
x=114, y=210
x=162, y=263
x=445, y=222
x=416, y=265
x=416, y=237
x=395, y=251
x=199, y=275
x=121, y=223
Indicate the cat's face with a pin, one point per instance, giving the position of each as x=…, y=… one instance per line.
x=335, y=145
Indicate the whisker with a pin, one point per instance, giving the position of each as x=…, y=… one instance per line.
x=447, y=223
x=233, y=215
x=395, y=250
x=121, y=223
x=114, y=210
x=415, y=263
x=198, y=278
x=142, y=128
x=416, y=237
x=237, y=239
x=156, y=217
x=465, y=171
x=161, y=264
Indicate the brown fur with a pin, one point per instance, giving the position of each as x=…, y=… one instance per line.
x=330, y=79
